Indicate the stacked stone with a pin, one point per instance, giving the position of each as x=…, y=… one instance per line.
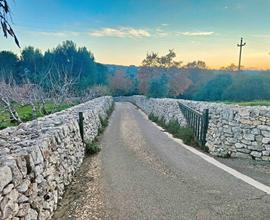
x=234, y=131
x=39, y=158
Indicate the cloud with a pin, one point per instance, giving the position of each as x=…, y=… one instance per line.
x=196, y=33
x=121, y=32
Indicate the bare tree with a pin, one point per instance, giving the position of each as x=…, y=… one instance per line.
x=230, y=68
x=8, y=96
x=4, y=20
x=166, y=61
x=31, y=94
x=95, y=92
x=61, y=83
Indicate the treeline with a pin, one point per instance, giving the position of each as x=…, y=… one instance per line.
x=235, y=87
x=70, y=71
x=47, y=82
x=162, y=76
x=66, y=67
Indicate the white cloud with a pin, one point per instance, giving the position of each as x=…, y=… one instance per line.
x=196, y=33
x=121, y=32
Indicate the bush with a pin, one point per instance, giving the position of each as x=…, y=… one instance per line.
x=3, y=125
x=92, y=148
x=248, y=88
x=214, y=89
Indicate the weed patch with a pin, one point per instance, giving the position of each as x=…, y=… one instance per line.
x=93, y=147
x=173, y=127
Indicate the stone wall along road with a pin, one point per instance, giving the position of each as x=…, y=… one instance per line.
x=234, y=131
x=39, y=158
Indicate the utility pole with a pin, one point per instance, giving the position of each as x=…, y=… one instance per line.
x=241, y=45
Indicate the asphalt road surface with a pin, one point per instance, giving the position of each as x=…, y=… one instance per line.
x=147, y=175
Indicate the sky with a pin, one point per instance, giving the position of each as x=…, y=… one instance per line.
x=124, y=31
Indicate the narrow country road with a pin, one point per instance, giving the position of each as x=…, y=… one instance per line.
x=147, y=175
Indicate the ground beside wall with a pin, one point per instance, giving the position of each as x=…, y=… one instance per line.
x=234, y=131
x=39, y=158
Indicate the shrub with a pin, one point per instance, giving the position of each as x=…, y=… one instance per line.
x=104, y=121
x=92, y=148
x=3, y=125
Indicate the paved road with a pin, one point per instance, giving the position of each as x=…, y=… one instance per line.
x=146, y=175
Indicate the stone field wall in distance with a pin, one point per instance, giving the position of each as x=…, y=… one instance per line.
x=39, y=158
x=234, y=131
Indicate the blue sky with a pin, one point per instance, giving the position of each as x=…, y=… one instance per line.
x=123, y=31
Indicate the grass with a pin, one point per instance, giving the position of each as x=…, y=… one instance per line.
x=25, y=113
x=251, y=103
x=173, y=127
x=93, y=147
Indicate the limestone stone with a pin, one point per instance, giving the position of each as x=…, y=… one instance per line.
x=44, y=215
x=23, y=209
x=5, y=177
x=256, y=154
x=22, y=198
x=266, y=153
x=266, y=134
x=266, y=158
x=255, y=131
x=8, y=189
x=264, y=127
x=243, y=150
x=16, y=173
x=32, y=215
x=267, y=147
x=9, y=208
x=249, y=137
x=37, y=156
x=21, y=162
x=23, y=187
x=239, y=145
x=266, y=140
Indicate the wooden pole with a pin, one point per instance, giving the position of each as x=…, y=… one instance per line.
x=241, y=45
x=81, y=118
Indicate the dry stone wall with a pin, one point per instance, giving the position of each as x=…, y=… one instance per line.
x=39, y=158
x=234, y=131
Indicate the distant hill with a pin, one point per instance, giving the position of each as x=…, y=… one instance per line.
x=131, y=71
